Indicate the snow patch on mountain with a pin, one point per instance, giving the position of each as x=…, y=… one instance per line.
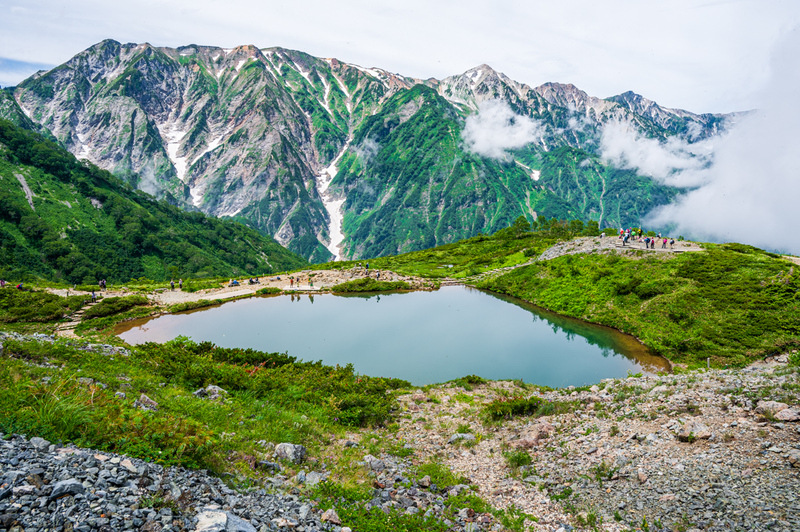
x=333, y=205
x=535, y=174
x=84, y=151
x=172, y=136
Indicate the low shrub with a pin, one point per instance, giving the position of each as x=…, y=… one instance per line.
x=508, y=407
x=33, y=306
x=517, y=459
x=468, y=381
x=267, y=290
x=114, y=305
x=192, y=305
x=370, y=285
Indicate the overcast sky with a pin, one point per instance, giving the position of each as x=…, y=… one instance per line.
x=700, y=55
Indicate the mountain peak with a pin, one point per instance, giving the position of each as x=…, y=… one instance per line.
x=571, y=97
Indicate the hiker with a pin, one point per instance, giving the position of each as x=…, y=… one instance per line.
x=19, y=286
x=647, y=242
x=671, y=242
x=180, y=284
x=172, y=284
x=94, y=297
x=3, y=284
x=664, y=244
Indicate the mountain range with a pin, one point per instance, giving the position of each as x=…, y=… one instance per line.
x=337, y=160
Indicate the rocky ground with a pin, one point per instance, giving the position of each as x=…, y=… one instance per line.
x=717, y=450
x=593, y=244
x=48, y=487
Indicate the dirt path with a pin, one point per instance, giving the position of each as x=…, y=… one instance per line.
x=592, y=244
x=304, y=281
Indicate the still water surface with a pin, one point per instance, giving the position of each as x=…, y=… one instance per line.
x=423, y=337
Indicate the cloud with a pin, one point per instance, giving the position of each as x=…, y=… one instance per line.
x=751, y=191
x=367, y=150
x=674, y=161
x=495, y=128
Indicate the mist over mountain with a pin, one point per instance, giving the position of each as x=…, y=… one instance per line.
x=333, y=159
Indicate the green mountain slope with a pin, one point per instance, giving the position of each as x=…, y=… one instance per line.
x=411, y=185
x=66, y=220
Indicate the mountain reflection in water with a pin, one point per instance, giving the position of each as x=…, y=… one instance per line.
x=423, y=337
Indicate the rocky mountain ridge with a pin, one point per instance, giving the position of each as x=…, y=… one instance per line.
x=289, y=143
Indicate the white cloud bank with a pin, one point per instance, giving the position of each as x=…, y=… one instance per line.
x=673, y=162
x=495, y=128
x=745, y=183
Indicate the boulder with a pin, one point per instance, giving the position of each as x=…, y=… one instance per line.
x=40, y=444
x=794, y=458
x=788, y=414
x=330, y=516
x=63, y=488
x=290, y=451
x=375, y=464
x=770, y=407
x=694, y=430
x=145, y=403
x=211, y=392
x=218, y=521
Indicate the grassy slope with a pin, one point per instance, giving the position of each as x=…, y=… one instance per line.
x=732, y=303
x=86, y=224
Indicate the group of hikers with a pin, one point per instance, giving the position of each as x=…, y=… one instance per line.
x=3, y=284
x=235, y=282
x=632, y=233
x=296, y=282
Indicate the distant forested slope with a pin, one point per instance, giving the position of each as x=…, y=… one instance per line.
x=65, y=220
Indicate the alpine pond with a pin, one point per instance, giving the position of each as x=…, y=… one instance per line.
x=423, y=337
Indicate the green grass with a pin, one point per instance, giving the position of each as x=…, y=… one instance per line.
x=26, y=308
x=481, y=253
x=271, y=396
x=369, y=285
x=731, y=303
x=114, y=305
